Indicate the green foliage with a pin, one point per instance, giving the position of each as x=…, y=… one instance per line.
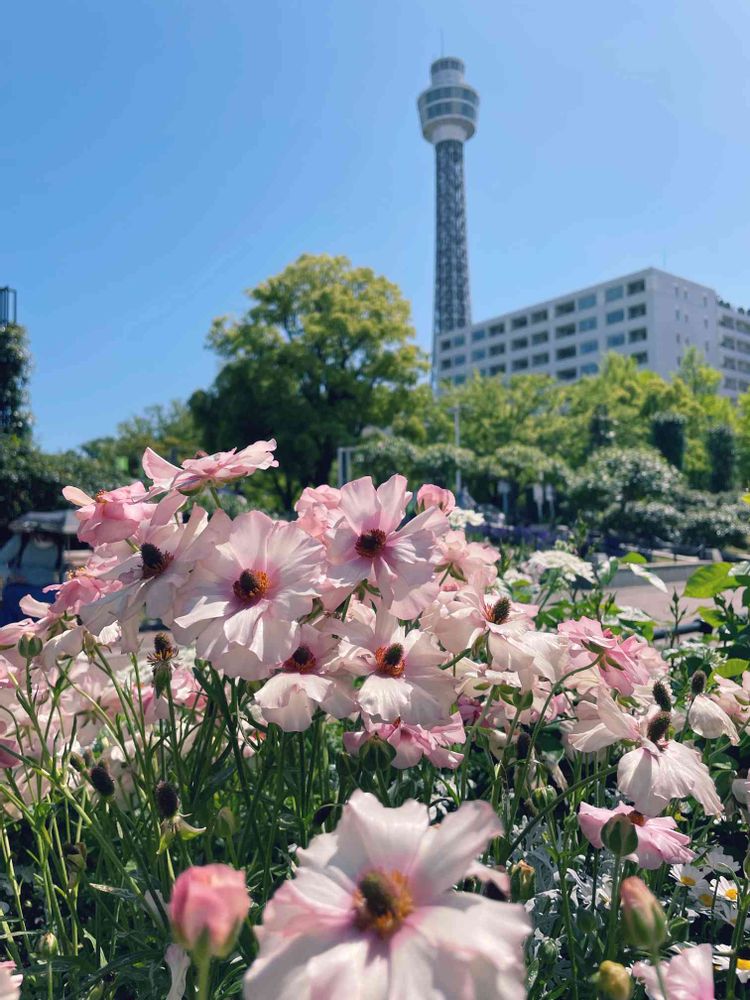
x=722, y=453
x=324, y=351
x=668, y=430
x=15, y=367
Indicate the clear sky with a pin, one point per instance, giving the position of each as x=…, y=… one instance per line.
x=159, y=157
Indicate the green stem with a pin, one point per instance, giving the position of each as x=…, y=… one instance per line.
x=614, y=906
x=204, y=972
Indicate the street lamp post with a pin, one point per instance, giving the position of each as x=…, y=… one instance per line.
x=456, y=411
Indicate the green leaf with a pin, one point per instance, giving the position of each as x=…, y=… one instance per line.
x=732, y=668
x=633, y=557
x=649, y=577
x=708, y=581
x=710, y=615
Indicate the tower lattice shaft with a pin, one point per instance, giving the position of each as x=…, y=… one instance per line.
x=452, y=297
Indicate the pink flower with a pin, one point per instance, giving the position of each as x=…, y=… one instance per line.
x=687, y=976
x=318, y=509
x=466, y=558
x=460, y=618
x=412, y=743
x=708, y=719
x=403, y=679
x=10, y=981
x=620, y=660
x=655, y=773
x=430, y=495
x=243, y=598
x=658, y=839
x=373, y=903
x=307, y=680
x=112, y=515
x=367, y=544
x=208, y=470
x=207, y=908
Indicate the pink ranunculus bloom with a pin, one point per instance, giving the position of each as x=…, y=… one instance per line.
x=403, y=679
x=318, y=509
x=466, y=558
x=306, y=680
x=599, y=725
x=430, y=495
x=85, y=586
x=658, y=839
x=412, y=743
x=207, y=908
x=470, y=612
x=112, y=515
x=620, y=660
x=245, y=595
x=372, y=907
x=367, y=543
x=149, y=577
x=708, y=719
x=687, y=976
x=734, y=698
x=208, y=470
x=10, y=981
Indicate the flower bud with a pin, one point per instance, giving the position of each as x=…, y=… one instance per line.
x=523, y=700
x=698, y=682
x=75, y=862
x=162, y=676
x=644, y=921
x=522, y=882
x=47, y=947
x=102, y=781
x=619, y=836
x=167, y=800
x=613, y=980
x=226, y=822
x=523, y=745
x=207, y=908
x=29, y=646
x=77, y=762
x=662, y=696
x=543, y=796
x=548, y=950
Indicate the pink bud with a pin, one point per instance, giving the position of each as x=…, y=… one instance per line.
x=430, y=495
x=207, y=908
x=643, y=918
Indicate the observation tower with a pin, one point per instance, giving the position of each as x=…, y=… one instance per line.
x=448, y=115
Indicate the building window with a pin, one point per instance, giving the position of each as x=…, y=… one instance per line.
x=705, y=301
x=728, y=362
x=459, y=340
x=587, y=301
x=587, y=324
x=459, y=379
x=445, y=345
x=730, y=383
x=518, y=322
x=460, y=359
x=540, y=338
x=496, y=349
x=479, y=354
x=446, y=363
x=563, y=308
x=727, y=321
x=616, y=340
x=519, y=364
x=589, y=346
x=640, y=334
x=497, y=329
x=635, y=311
x=497, y=369
x=743, y=347
x=566, y=352
x=641, y=358
x=634, y=287
x=567, y=374
x=613, y=293
x=478, y=335
x=590, y=368
x=540, y=316
x=727, y=341
x=519, y=343
x=541, y=359
x=565, y=331
x=617, y=316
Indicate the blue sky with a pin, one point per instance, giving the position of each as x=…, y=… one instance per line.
x=160, y=158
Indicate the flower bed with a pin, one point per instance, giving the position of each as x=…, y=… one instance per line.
x=367, y=757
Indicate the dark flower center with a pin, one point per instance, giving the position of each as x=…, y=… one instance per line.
x=164, y=651
x=636, y=818
x=154, y=560
x=382, y=902
x=498, y=613
x=251, y=586
x=370, y=544
x=301, y=661
x=659, y=727
x=390, y=659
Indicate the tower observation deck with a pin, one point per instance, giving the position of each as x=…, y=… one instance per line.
x=448, y=115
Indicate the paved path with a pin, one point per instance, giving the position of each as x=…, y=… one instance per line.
x=656, y=604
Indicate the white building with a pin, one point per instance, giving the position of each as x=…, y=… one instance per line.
x=651, y=315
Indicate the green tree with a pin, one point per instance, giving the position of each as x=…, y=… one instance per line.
x=324, y=351
x=722, y=453
x=15, y=367
x=169, y=429
x=668, y=431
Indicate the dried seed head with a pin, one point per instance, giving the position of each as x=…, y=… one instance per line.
x=167, y=800
x=102, y=781
x=698, y=682
x=659, y=727
x=662, y=696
